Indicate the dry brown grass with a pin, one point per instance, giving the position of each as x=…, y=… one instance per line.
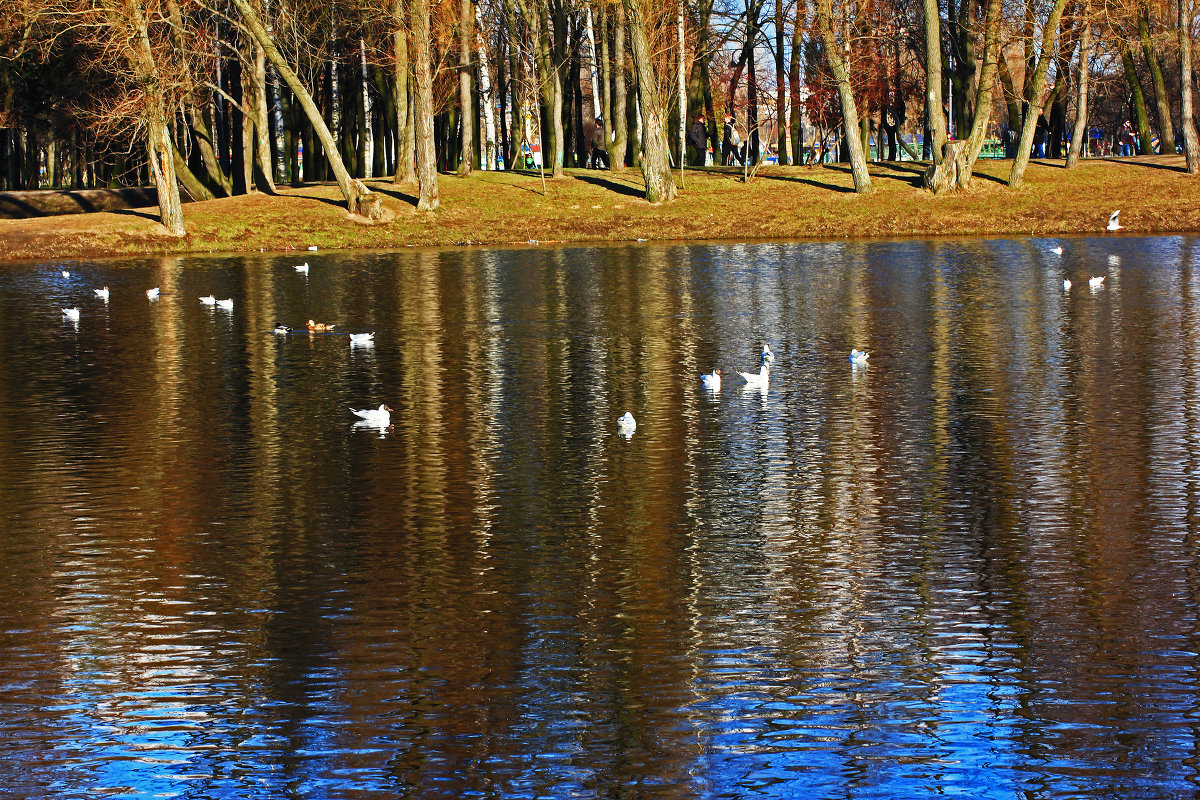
x=1154, y=193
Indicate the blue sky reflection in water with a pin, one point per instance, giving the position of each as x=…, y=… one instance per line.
x=967, y=569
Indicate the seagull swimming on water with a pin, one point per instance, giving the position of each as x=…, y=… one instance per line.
x=1056, y=250
x=66, y=273
x=208, y=300
x=859, y=357
x=225, y=305
x=302, y=268
x=102, y=293
x=152, y=294
x=361, y=339
x=1066, y=284
x=767, y=357
x=71, y=314
x=1095, y=282
x=1113, y=223
x=381, y=417
x=626, y=424
x=758, y=381
x=712, y=380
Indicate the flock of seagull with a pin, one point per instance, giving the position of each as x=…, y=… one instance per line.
x=370, y=417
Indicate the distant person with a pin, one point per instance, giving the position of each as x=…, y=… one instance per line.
x=1126, y=139
x=698, y=139
x=729, y=143
x=1039, y=137
x=1010, y=141
x=599, y=150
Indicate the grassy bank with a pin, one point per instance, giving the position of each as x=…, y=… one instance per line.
x=1154, y=194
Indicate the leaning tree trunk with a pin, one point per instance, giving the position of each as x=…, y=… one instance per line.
x=1141, y=117
x=1162, y=103
x=656, y=148
x=427, y=180
x=1037, y=86
x=858, y=162
x=1191, y=143
x=354, y=192
x=1079, y=134
x=983, y=92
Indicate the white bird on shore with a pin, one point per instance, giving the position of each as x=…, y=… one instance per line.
x=758, y=381
x=1066, y=284
x=381, y=417
x=302, y=268
x=626, y=424
x=712, y=380
x=152, y=294
x=208, y=300
x=1095, y=282
x=361, y=339
x=1113, y=223
x=312, y=247
x=859, y=357
x=71, y=314
x=102, y=293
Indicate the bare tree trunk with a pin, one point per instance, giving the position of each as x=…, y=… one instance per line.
x=1079, y=134
x=466, y=30
x=354, y=194
x=781, y=87
x=1191, y=143
x=620, y=142
x=262, y=129
x=1162, y=103
x=656, y=149
x=858, y=162
x=1141, y=117
x=933, y=76
x=983, y=91
x=1037, y=86
x=427, y=179
x=162, y=168
x=606, y=92
x=406, y=168
x=682, y=77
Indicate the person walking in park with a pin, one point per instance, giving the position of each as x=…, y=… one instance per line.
x=697, y=139
x=729, y=143
x=1039, y=137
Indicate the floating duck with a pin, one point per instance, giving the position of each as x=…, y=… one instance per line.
x=225, y=305
x=208, y=300
x=102, y=293
x=1114, y=223
x=381, y=417
x=1066, y=284
x=712, y=381
x=152, y=294
x=71, y=314
x=1095, y=282
x=282, y=329
x=758, y=381
x=302, y=268
x=859, y=357
x=320, y=326
x=626, y=424
x=361, y=338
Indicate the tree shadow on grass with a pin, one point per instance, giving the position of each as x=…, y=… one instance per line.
x=395, y=194
x=1136, y=162
x=808, y=181
x=611, y=185
x=150, y=214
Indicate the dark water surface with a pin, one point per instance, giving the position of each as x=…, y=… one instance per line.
x=969, y=569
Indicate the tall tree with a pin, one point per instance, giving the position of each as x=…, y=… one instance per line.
x=841, y=76
x=1079, y=134
x=933, y=75
x=427, y=178
x=1162, y=103
x=406, y=168
x=1037, y=84
x=656, y=148
x=1191, y=143
x=466, y=29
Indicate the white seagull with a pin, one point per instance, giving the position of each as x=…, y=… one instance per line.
x=381, y=417
x=71, y=314
x=225, y=305
x=859, y=357
x=361, y=339
x=102, y=293
x=626, y=424
x=768, y=357
x=66, y=273
x=1066, y=284
x=712, y=380
x=1113, y=224
x=1095, y=282
x=208, y=300
x=152, y=294
x=758, y=381
x=302, y=268
x=1056, y=250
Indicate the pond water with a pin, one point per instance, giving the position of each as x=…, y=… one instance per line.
x=968, y=568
